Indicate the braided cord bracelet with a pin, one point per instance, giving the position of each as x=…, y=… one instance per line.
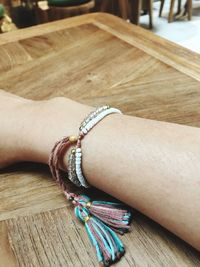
x=101, y=218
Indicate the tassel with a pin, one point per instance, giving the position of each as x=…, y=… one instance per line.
x=113, y=214
x=97, y=217
x=109, y=247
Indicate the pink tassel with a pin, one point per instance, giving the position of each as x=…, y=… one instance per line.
x=113, y=214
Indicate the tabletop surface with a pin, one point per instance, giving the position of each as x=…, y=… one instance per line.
x=94, y=59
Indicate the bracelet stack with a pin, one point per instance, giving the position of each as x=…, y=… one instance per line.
x=101, y=218
x=75, y=173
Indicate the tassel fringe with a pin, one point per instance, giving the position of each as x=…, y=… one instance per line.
x=109, y=247
x=102, y=219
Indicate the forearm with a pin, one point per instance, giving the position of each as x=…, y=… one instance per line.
x=153, y=166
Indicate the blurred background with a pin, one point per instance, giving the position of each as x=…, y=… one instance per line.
x=175, y=20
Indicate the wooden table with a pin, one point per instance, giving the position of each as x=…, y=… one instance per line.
x=94, y=59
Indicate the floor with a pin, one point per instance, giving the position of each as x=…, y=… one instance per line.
x=182, y=31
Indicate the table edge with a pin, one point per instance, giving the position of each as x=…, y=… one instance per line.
x=176, y=56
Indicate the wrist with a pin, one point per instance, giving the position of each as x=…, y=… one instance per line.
x=49, y=121
x=12, y=127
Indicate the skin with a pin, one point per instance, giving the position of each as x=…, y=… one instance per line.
x=152, y=166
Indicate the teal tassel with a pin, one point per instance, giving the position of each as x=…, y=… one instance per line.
x=109, y=247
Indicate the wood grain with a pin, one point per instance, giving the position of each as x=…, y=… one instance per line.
x=55, y=239
x=94, y=59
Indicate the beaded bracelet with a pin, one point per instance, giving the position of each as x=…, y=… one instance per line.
x=75, y=158
x=101, y=218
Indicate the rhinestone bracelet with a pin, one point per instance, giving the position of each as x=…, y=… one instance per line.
x=75, y=173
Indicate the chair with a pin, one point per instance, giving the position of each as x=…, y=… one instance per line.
x=188, y=8
x=126, y=9
x=69, y=9
x=59, y=9
x=136, y=7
